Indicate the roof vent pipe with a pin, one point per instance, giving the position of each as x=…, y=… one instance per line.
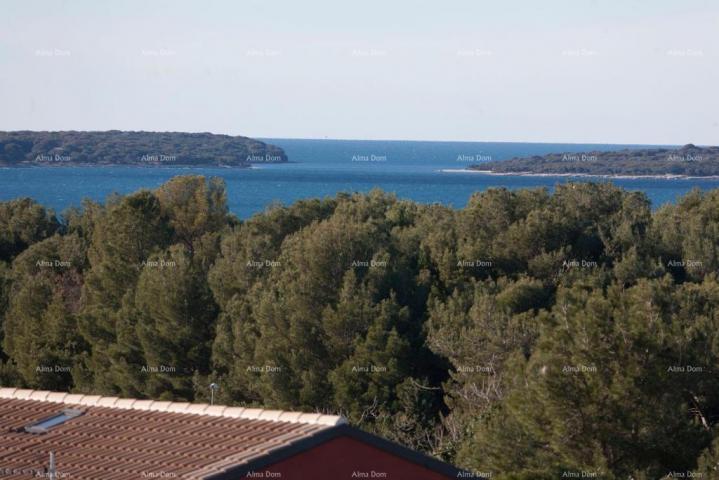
x=213, y=387
x=52, y=471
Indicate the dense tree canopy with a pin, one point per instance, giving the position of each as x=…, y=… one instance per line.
x=529, y=335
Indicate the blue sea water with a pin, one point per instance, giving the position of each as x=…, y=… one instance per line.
x=319, y=168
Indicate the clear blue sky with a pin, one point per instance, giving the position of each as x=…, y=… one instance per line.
x=613, y=71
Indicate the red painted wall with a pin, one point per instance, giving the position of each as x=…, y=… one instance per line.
x=340, y=458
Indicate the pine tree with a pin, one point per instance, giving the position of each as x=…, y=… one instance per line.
x=41, y=324
x=22, y=223
x=175, y=324
x=124, y=237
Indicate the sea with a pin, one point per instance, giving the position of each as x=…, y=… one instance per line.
x=426, y=172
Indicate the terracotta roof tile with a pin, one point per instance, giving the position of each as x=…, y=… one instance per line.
x=131, y=439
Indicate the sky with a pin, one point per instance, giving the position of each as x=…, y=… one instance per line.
x=599, y=71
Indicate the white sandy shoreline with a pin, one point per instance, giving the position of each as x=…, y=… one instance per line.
x=581, y=175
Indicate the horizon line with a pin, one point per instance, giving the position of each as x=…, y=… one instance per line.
x=346, y=139
x=484, y=141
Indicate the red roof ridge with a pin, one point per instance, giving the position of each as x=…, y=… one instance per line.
x=172, y=407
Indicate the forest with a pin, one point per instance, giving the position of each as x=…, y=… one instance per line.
x=533, y=334
x=689, y=160
x=114, y=147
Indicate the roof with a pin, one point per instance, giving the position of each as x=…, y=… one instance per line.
x=344, y=430
x=118, y=438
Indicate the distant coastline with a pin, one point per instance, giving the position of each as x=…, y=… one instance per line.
x=248, y=166
x=688, y=162
x=141, y=149
x=667, y=176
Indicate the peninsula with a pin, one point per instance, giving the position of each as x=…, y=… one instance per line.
x=686, y=161
x=114, y=147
